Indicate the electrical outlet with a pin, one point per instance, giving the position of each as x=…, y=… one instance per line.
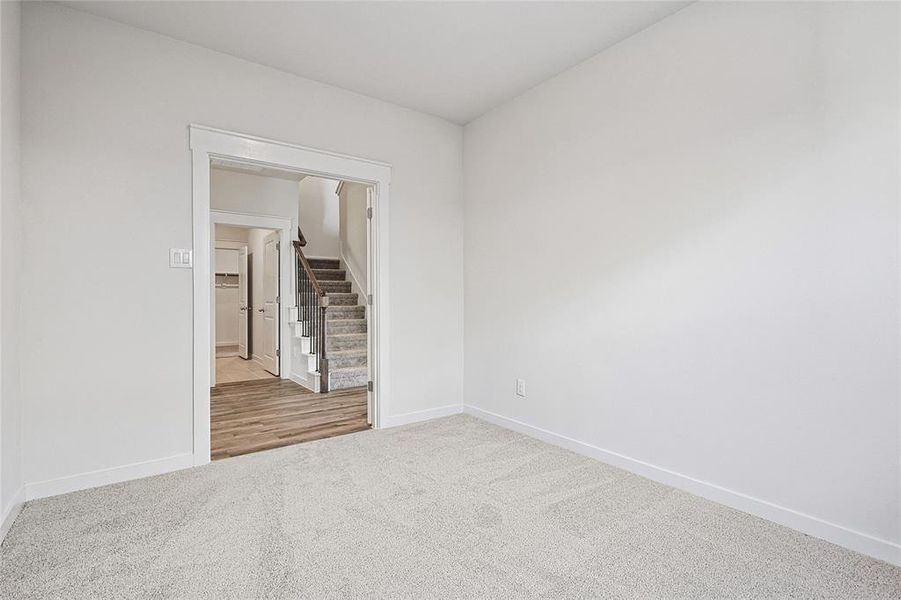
x=521, y=387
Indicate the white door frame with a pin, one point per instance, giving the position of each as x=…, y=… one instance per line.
x=245, y=329
x=370, y=409
x=285, y=275
x=207, y=143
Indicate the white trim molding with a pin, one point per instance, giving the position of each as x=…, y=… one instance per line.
x=831, y=532
x=303, y=381
x=207, y=143
x=287, y=229
x=12, y=511
x=91, y=479
x=421, y=415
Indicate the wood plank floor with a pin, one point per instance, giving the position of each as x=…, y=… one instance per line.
x=249, y=416
x=234, y=368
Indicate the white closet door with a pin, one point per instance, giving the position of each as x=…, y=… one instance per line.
x=270, y=351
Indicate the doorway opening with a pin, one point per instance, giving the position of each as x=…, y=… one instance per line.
x=208, y=143
x=246, y=326
x=293, y=267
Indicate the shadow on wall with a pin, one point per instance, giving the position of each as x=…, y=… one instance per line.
x=318, y=216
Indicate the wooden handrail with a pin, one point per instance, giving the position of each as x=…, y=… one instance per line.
x=298, y=249
x=312, y=304
x=300, y=238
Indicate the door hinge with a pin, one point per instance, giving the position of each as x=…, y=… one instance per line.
x=369, y=213
x=369, y=299
x=368, y=386
x=278, y=351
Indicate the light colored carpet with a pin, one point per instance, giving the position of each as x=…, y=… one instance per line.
x=452, y=508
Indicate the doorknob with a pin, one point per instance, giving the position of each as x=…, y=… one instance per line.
x=261, y=310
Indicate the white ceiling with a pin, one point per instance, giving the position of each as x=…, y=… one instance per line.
x=456, y=60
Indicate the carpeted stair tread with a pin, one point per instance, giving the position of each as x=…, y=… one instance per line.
x=363, y=370
x=340, y=359
x=342, y=299
x=342, y=287
x=345, y=341
x=346, y=336
x=324, y=263
x=329, y=274
x=345, y=312
x=345, y=326
x=348, y=377
x=351, y=352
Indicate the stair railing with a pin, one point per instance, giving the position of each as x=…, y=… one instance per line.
x=312, y=303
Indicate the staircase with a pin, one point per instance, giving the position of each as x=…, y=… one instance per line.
x=345, y=327
x=331, y=324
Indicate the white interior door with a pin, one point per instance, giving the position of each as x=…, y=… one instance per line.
x=270, y=304
x=370, y=398
x=243, y=306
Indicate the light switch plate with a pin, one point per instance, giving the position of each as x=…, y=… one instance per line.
x=181, y=258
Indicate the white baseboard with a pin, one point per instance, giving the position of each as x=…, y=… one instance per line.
x=831, y=532
x=91, y=479
x=352, y=270
x=302, y=381
x=11, y=512
x=421, y=415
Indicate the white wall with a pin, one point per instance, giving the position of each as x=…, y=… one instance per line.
x=10, y=257
x=107, y=107
x=253, y=194
x=228, y=300
x=319, y=216
x=688, y=247
x=354, y=251
x=227, y=233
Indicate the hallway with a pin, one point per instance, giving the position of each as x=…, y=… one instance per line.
x=249, y=416
x=231, y=369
